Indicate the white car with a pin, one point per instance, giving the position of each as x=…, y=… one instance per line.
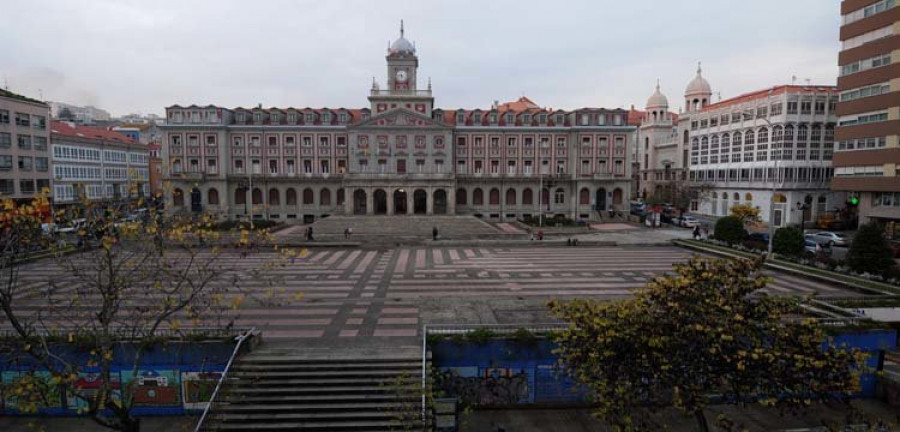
x=830, y=238
x=690, y=222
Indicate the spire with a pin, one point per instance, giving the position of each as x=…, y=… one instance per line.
x=699, y=69
x=429, y=83
x=657, y=84
x=401, y=28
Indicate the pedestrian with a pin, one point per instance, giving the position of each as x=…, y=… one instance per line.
x=540, y=235
x=346, y=233
x=309, y=234
x=434, y=233
x=568, y=242
x=349, y=232
x=696, y=232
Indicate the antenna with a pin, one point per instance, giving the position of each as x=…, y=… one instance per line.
x=807, y=80
x=40, y=94
x=793, y=79
x=401, y=28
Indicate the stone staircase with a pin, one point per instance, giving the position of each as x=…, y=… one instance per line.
x=391, y=230
x=286, y=390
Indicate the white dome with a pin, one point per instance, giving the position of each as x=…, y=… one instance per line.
x=698, y=85
x=402, y=45
x=657, y=100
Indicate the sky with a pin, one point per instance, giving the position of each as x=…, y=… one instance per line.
x=130, y=56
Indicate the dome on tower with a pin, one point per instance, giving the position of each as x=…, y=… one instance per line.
x=657, y=99
x=698, y=85
x=402, y=45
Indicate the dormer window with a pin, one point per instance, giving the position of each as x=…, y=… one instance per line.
x=509, y=119
x=476, y=118
x=257, y=117
x=326, y=118
x=309, y=118
x=493, y=118
x=273, y=118
x=177, y=117
x=343, y=118
x=526, y=119
x=195, y=117
x=241, y=117
x=460, y=118
x=617, y=119
x=542, y=118
x=560, y=120
x=585, y=119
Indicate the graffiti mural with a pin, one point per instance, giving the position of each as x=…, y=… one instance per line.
x=485, y=387
x=197, y=388
x=157, y=388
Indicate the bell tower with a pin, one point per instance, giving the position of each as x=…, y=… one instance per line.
x=402, y=74
x=402, y=64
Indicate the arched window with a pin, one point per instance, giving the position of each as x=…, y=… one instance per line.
x=274, y=197
x=527, y=198
x=510, y=196
x=325, y=197
x=212, y=196
x=726, y=141
x=178, y=198
x=802, y=133
x=478, y=197
x=308, y=196
x=748, y=198
x=545, y=198
x=749, y=138
x=461, y=196
x=617, y=196
x=737, y=139
x=240, y=196
x=789, y=134
x=584, y=197
x=290, y=197
x=257, y=196
x=559, y=197
x=763, y=136
x=737, y=197
x=777, y=134
x=494, y=197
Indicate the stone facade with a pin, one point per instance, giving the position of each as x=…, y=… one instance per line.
x=24, y=146
x=399, y=155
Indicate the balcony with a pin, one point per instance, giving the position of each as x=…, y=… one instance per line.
x=421, y=93
x=399, y=177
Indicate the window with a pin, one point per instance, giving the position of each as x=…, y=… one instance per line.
x=863, y=119
x=866, y=64
x=24, y=163
x=211, y=166
x=238, y=166
x=40, y=122
x=24, y=142
x=439, y=166
x=560, y=196
x=307, y=167
x=862, y=143
x=862, y=92
x=41, y=164
x=868, y=11
x=792, y=107
x=401, y=166
x=6, y=163
x=511, y=167
x=420, y=165
x=382, y=165
x=867, y=37
x=23, y=119
x=4, y=116
x=26, y=186
x=776, y=109
x=560, y=167
x=5, y=140
x=805, y=107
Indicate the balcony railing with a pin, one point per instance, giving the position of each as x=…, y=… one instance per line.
x=401, y=93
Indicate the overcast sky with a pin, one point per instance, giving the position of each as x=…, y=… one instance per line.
x=140, y=56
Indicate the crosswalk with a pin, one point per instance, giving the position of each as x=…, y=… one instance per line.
x=335, y=295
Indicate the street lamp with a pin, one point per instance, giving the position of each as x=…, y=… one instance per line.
x=749, y=115
x=803, y=207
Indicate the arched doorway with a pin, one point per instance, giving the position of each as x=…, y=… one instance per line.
x=461, y=197
x=400, y=202
x=196, y=200
x=359, y=202
x=601, y=199
x=617, y=198
x=420, y=202
x=510, y=197
x=440, y=202
x=779, y=209
x=380, y=203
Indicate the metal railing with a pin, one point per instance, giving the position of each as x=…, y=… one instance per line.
x=237, y=347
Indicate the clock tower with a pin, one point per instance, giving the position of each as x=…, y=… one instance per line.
x=401, y=91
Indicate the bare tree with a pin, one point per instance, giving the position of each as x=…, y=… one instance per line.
x=140, y=279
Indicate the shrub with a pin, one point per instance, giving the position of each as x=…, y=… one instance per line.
x=730, y=229
x=870, y=252
x=789, y=242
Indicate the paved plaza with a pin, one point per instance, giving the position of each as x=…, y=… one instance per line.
x=354, y=296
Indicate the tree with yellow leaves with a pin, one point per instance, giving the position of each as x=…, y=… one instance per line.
x=705, y=330
x=746, y=213
x=136, y=282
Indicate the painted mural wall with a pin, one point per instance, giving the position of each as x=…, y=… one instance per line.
x=172, y=380
x=504, y=372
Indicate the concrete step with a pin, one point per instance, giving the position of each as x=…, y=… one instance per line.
x=319, y=407
x=336, y=382
x=344, y=373
x=271, y=359
x=346, y=397
x=384, y=425
x=308, y=417
x=292, y=391
x=320, y=366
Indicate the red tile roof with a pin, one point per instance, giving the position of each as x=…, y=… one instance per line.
x=68, y=129
x=777, y=90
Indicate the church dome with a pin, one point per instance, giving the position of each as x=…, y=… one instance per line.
x=698, y=85
x=657, y=99
x=402, y=45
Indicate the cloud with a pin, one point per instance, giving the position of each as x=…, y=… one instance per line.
x=140, y=56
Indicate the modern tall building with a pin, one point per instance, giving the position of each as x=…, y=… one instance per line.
x=867, y=152
x=97, y=164
x=399, y=155
x=24, y=146
x=79, y=114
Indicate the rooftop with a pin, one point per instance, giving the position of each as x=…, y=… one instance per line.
x=775, y=91
x=11, y=95
x=73, y=130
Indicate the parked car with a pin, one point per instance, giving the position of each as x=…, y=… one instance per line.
x=759, y=237
x=814, y=248
x=689, y=221
x=830, y=238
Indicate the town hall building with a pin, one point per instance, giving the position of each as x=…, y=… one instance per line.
x=399, y=155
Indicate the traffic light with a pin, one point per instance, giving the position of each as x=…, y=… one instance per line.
x=853, y=200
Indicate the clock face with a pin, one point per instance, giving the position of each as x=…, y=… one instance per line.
x=401, y=75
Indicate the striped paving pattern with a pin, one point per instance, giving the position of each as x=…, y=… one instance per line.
x=349, y=294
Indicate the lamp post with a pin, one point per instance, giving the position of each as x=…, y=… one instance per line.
x=803, y=207
x=774, y=184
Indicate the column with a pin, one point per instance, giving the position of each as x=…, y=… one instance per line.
x=429, y=201
x=410, y=204
x=370, y=201
x=451, y=200
x=390, y=201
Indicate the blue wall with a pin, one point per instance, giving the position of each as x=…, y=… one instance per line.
x=503, y=372
x=173, y=379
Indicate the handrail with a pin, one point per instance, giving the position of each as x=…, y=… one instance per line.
x=240, y=340
x=424, y=385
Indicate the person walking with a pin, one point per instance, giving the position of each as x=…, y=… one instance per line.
x=434, y=233
x=697, y=232
x=540, y=235
x=346, y=233
x=309, y=234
